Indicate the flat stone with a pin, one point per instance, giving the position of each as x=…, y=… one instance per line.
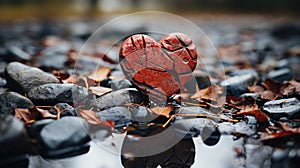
x=11, y=100
x=120, y=84
x=120, y=98
x=121, y=116
x=280, y=75
x=237, y=85
x=22, y=78
x=64, y=109
x=13, y=137
x=51, y=94
x=63, y=137
x=289, y=108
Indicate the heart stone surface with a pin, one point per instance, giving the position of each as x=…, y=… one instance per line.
x=159, y=69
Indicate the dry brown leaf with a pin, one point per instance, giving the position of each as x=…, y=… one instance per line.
x=210, y=93
x=260, y=116
x=25, y=115
x=91, y=117
x=43, y=113
x=284, y=134
x=100, y=74
x=71, y=79
x=271, y=85
x=164, y=111
x=99, y=90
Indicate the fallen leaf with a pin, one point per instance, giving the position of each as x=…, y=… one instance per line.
x=279, y=137
x=71, y=79
x=259, y=115
x=272, y=86
x=25, y=115
x=212, y=92
x=91, y=117
x=43, y=113
x=290, y=87
x=99, y=90
x=100, y=74
x=164, y=111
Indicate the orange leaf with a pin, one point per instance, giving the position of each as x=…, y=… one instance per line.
x=212, y=92
x=100, y=74
x=71, y=79
x=44, y=113
x=91, y=117
x=25, y=114
x=99, y=90
x=165, y=111
x=259, y=115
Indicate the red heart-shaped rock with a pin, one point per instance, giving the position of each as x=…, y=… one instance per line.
x=158, y=69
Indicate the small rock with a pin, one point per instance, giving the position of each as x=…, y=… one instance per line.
x=14, y=51
x=13, y=140
x=120, y=98
x=243, y=72
x=36, y=127
x=289, y=108
x=142, y=114
x=280, y=75
x=22, y=78
x=64, y=109
x=121, y=116
x=11, y=100
x=53, y=61
x=237, y=85
x=2, y=82
x=202, y=79
x=51, y=94
x=120, y=84
x=210, y=135
x=64, y=138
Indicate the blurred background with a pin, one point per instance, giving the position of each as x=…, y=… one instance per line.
x=17, y=9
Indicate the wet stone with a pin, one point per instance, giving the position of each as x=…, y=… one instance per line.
x=237, y=85
x=289, y=108
x=121, y=116
x=53, y=61
x=64, y=109
x=202, y=79
x=18, y=53
x=120, y=84
x=22, y=78
x=51, y=94
x=64, y=138
x=35, y=128
x=120, y=98
x=11, y=100
x=142, y=114
x=13, y=140
x=280, y=75
x=2, y=82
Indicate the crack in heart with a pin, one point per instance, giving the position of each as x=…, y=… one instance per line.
x=159, y=69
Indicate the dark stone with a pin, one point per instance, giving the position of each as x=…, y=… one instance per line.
x=289, y=108
x=280, y=75
x=11, y=100
x=16, y=52
x=2, y=82
x=64, y=138
x=120, y=84
x=286, y=31
x=142, y=114
x=243, y=72
x=13, y=140
x=51, y=94
x=182, y=154
x=64, y=108
x=237, y=85
x=202, y=79
x=53, y=61
x=36, y=127
x=22, y=78
x=120, y=98
x=121, y=116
